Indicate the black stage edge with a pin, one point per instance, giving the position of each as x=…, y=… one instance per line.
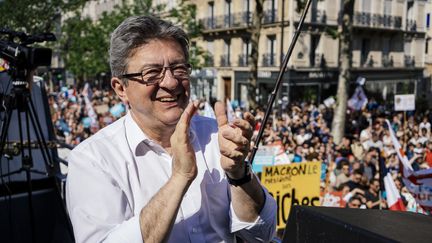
x=50, y=220
x=324, y=224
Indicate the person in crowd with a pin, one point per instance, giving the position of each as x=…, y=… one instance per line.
x=161, y=173
x=355, y=179
x=372, y=196
x=354, y=202
x=344, y=176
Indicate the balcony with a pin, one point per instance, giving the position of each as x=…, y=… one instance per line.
x=225, y=61
x=409, y=61
x=365, y=19
x=387, y=61
x=269, y=60
x=321, y=17
x=362, y=18
x=241, y=19
x=269, y=17
x=243, y=60
x=411, y=25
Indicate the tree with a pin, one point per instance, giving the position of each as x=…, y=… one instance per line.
x=345, y=62
x=255, y=31
x=185, y=15
x=85, y=43
x=35, y=16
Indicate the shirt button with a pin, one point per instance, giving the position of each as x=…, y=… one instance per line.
x=194, y=230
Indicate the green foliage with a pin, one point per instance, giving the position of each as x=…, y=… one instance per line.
x=83, y=43
x=33, y=16
x=185, y=15
x=332, y=32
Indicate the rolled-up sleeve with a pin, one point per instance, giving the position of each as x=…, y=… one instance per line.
x=264, y=227
x=98, y=209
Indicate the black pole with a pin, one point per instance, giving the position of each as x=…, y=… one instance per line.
x=282, y=31
x=278, y=82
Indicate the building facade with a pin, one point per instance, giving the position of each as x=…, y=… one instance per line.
x=428, y=44
x=388, y=48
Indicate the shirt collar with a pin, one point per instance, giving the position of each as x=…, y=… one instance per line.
x=134, y=134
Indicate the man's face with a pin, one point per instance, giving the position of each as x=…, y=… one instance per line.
x=375, y=186
x=345, y=170
x=357, y=178
x=162, y=104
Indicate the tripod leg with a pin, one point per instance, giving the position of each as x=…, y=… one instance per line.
x=25, y=166
x=4, y=131
x=41, y=139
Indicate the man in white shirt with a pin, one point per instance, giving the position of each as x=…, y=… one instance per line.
x=160, y=173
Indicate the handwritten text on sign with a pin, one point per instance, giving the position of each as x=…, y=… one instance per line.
x=293, y=184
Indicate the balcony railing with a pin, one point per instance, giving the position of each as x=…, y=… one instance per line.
x=243, y=60
x=241, y=19
x=225, y=61
x=321, y=17
x=269, y=16
x=411, y=25
x=362, y=18
x=269, y=60
x=409, y=61
x=387, y=61
x=377, y=20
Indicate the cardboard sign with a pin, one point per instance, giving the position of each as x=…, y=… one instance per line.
x=404, y=102
x=292, y=184
x=333, y=199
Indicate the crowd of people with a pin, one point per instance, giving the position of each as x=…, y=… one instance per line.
x=353, y=165
x=77, y=113
x=303, y=129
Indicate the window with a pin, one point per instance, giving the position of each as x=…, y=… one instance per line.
x=387, y=7
x=244, y=56
x=270, y=56
x=365, y=49
x=227, y=12
x=209, y=61
x=226, y=57
x=270, y=11
x=210, y=14
x=366, y=6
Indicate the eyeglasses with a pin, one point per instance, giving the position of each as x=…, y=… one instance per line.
x=152, y=75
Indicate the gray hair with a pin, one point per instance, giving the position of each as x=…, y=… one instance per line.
x=136, y=31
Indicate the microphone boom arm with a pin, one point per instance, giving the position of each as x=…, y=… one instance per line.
x=278, y=82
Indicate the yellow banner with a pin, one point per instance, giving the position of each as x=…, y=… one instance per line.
x=292, y=184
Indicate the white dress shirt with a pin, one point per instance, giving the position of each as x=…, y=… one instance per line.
x=114, y=174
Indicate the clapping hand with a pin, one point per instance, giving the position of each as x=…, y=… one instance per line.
x=234, y=141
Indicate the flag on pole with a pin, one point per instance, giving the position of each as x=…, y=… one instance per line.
x=230, y=111
x=418, y=183
x=89, y=107
x=394, y=199
x=359, y=100
x=208, y=111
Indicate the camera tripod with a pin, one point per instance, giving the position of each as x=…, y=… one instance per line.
x=20, y=100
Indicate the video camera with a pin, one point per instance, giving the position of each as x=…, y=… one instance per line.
x=14, y=49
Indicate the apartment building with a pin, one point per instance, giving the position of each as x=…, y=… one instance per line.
x=388, y=48
x=428, y=44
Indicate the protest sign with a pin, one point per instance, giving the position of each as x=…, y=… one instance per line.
x=404, y=102
x=292, y=184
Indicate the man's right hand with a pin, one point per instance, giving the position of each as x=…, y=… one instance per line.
x=184, y=161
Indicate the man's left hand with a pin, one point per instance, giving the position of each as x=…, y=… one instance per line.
x=234, y=141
